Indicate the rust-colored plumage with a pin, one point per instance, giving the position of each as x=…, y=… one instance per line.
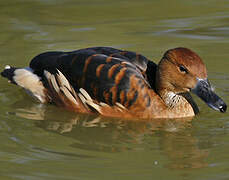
x=186, y=57
x=112, y=69
x=119, y=83
x=98, y=70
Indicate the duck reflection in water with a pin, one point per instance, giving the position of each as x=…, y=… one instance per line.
x=94, y=133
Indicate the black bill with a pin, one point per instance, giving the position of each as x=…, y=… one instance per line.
x=204, y=90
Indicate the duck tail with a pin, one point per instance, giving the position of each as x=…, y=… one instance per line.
x=9, y=73
x=25, y=78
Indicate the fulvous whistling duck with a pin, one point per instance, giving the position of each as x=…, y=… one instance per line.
x=118, y=83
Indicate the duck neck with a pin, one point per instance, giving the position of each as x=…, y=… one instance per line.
x=178, y=105
x=171, y=99
x=166, y=90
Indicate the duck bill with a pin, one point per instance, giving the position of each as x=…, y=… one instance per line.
x=205, y=92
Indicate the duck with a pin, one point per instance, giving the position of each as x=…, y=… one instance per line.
x=118, y=83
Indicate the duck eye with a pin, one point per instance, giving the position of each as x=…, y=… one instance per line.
x=183, y=69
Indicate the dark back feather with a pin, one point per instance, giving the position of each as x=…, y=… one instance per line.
x=103, y=72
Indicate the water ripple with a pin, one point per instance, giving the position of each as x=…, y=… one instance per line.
x=213, y=27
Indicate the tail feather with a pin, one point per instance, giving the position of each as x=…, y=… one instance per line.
x=9, y=73
x=25, y=78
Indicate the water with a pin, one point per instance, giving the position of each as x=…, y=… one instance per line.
x=47, y=142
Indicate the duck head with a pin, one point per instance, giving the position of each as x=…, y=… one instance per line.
x=182, y=70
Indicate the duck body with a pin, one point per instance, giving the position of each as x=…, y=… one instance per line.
x=115, y=82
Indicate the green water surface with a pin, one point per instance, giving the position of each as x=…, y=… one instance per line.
x=46, y=142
